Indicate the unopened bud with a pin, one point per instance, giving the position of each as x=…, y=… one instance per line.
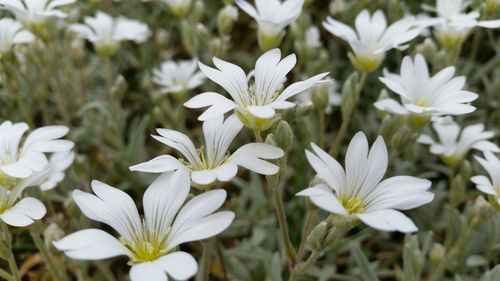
x=483, y=211
x=466, y=170
x=337, y=7
x=436, y=254
x=317, y=236
x=303, y=109
x=284, y=135
x=457, y=191
x=226, y=18
x=320, y=97
x=119, y=88
x=52, y=233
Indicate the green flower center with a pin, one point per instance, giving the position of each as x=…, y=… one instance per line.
x=146, y=249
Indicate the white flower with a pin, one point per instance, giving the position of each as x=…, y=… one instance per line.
x=453, y=24
x=179, y=7
x=12, y=32
x=35, y=11
x=19, y=162
x=372, y=38
x=492, y=165
x=359, y=192
x=58, y=163
x=106, y=32
x=452, y=147
x=272, y=16
x=256, y=105
x=25, y=166
x=177, y=77
x=213, y=162
x=150, y=243
x=441, y=94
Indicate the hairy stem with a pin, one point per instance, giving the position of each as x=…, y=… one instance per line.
x=8, y=254
x=58, y=275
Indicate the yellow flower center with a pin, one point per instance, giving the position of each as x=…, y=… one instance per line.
x=353, y=205
x=146, y=249
x=422, y=103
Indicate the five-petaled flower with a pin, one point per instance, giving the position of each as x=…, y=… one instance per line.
x=372, y=37
x=177, y=77
x=359, y=192
x=453, y=145
x=150, y=243
x=424, y=95
x=272, y=17
x=106, y=32
x=256, y=105
x=34, y=12
x=213, y=162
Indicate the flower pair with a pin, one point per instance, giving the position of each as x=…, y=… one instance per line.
x=26, y=165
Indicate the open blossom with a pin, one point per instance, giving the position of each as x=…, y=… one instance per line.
x=213, y=162
x=177, y=77
x=35, y=11
x=26, y=165
x=422, y=94
x=372, y=38
x=150, y=243
x=106, y=32
x=452, y=23
x=11, y=33
x=272, y=16
x=256, y=105
x=359, y=192
x=453, y=145
x=492, y=165
x=59, y=162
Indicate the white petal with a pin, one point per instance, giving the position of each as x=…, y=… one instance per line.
x=203, y=177
x=391, y=106
x=388, y=220
x=264, y=112
x=148, y=271
x=91, y=244
x=179, y=265
x=226, y=171
x=324, y=198
x=160, y=164
x=24, y=212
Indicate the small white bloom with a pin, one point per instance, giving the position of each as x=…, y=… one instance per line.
x=150, y=243
x=492, y=165
x=35, y=11
x=372, y=38
x=176, y=77
x=422, y=94
x=359, y=192
x=58, y=163
x=25, y=166
x=213, y=162
x=453, y=23
x=272, y=16
x=453, y=145
x=256, y=106
x=11, y=33
x=106, y=32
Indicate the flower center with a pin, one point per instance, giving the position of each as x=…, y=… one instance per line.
x=353, y=205
x=422, y=103
x=146, y=247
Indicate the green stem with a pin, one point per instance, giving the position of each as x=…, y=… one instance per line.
x=280, y=212
x=58, y=275
x=7, y=246
x=302, y=267
x=258, y=136
x=306, y=229
x=5, y=275
x=347, y=117
x=206, y=261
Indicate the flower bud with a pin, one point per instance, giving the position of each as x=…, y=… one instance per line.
x=466, y=170
x=482, y=211
x=337, y=7
x=198, y=11
x=436, y=254
x=226, y=18
x=51, y=233
x=317, y=236
x=457, y=191
x=428, y=49
x=180, y=8
x=320, y=97
x=119, y=88
x=284, y=135
x=303, y=109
